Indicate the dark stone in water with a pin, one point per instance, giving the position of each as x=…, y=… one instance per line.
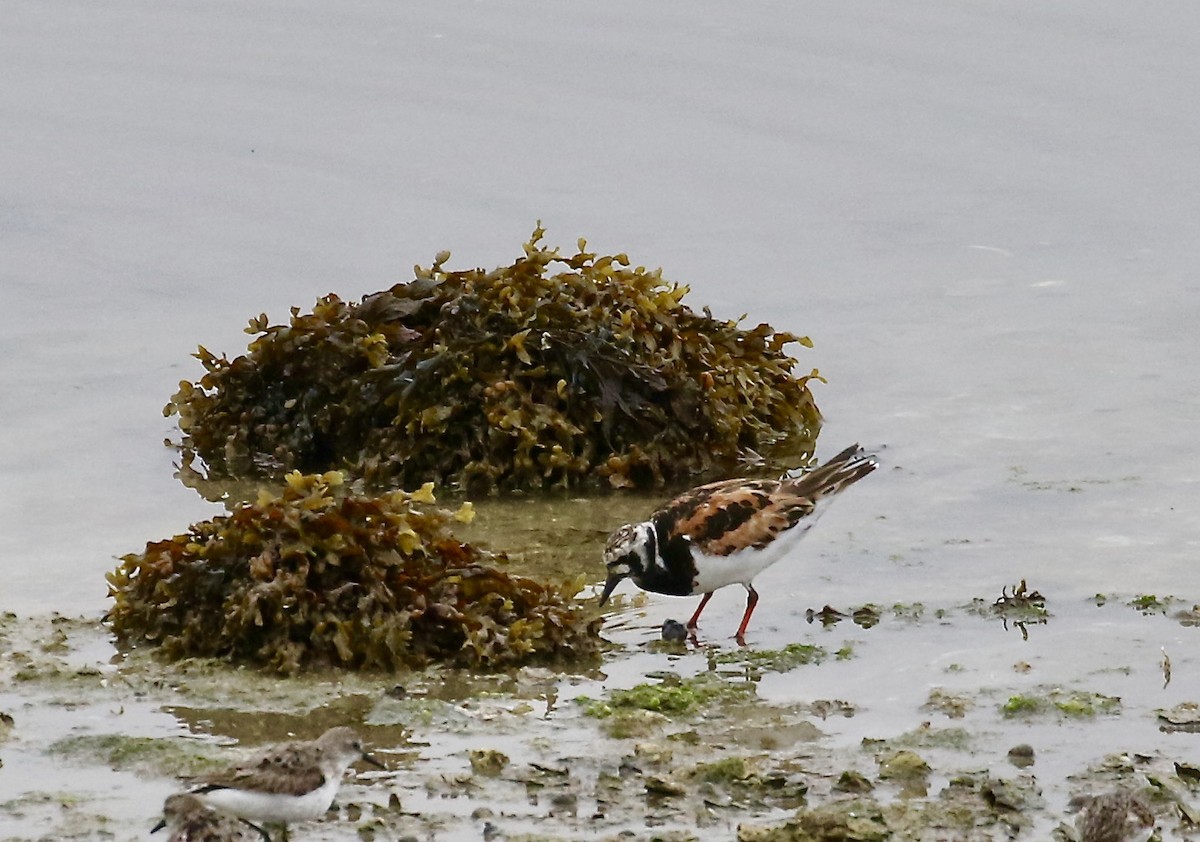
x=674, y=630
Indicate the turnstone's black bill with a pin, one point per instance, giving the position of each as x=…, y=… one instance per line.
x=726, y=533
x=286, y=783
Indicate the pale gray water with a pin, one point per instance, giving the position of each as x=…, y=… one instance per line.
x=985, y=214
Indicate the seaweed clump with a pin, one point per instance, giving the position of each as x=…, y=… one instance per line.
x=319, y=575
x=557, y=371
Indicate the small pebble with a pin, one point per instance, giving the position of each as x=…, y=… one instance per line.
x=1021, y=755
x=674, y=630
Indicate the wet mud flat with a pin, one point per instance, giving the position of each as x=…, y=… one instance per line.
x=900, y=722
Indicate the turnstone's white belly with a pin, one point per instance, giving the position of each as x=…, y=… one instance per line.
x=740, y=568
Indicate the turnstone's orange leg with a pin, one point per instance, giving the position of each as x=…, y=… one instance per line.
x=751, y=601
x=691, y=624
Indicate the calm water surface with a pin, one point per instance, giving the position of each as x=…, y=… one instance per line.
x=985, y=216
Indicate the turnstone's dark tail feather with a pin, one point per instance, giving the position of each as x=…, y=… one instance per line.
x=843, y=470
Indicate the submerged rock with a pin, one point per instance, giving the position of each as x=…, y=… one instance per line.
x=320, y=575
x=1111, y=817
x=556, y=371
x=486, y=761
x=902, y=765
x=838, y=821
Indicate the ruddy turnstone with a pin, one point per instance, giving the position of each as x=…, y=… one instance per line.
x=188, y=819
x=726, y=533
x=292, y=782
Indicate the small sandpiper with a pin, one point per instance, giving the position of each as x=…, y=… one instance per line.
x=188, y=819
x=726, y=533
x=292, y=782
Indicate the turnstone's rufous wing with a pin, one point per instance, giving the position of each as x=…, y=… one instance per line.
x=732, y=515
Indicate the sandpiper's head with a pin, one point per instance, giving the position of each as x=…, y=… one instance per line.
x=628, y=553
x=177, y=808
x=342, y=744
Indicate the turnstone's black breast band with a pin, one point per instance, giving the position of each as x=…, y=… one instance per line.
x=671, y=570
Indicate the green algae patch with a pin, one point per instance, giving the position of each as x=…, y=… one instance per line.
x=1022, y=705
x=316, y=574
x=774, y=660
x=150, y=756
x=558, y=370
x=1151, y=604
x=671, y=697
x=1087, y=704
x=1078, y=704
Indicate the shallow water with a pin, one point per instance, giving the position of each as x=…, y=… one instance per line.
x=993, y=250
x=985, y=217
x=72, y=768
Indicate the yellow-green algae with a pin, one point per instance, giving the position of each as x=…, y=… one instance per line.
x=318, y=574
x=1070, y=703
x=672, y=696
x=774, y=660
x=555, y=371
x=148, y=755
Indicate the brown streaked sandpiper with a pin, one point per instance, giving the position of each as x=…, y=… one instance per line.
x=188, y=819
x=292, y=782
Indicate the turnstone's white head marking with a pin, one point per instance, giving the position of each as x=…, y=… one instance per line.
x=726, y=532
x=289, y=782
x=629, y=552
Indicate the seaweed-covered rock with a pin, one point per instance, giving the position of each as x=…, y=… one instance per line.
x=318, y=575
x=552, y=372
